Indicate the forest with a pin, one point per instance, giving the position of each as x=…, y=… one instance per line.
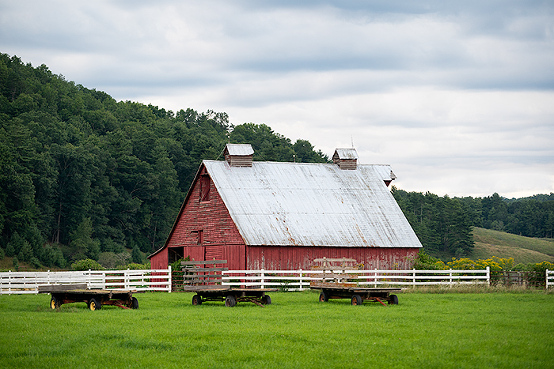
x=83, y=176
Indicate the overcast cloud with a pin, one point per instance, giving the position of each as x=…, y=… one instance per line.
x=457, y=96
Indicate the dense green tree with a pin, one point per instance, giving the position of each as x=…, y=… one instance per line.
x=82, y=174
x=442, y=224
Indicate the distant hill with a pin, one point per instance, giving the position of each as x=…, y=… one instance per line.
x=524, y=250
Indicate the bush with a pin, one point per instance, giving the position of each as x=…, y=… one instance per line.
x=539, y=275
x=425, y=261
x=134, y=266
x=176, y=266
x=86, y=264
x=495, y=264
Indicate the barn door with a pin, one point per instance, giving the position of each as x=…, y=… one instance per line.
x=214, y=252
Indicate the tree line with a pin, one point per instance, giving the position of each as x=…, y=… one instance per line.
x=83, y=176
x=444, y=224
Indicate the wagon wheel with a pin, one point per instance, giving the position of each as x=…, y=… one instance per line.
x=94, y=304
x=55, y=303
x=230, y=301
x=356, y=300
x=196, y=300
x=266, y=300
x=323, y=297
x=134, y=303
x=393, y=300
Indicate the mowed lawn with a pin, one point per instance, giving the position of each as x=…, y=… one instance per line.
x=470, y=330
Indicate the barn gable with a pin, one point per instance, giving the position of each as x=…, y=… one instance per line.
x=203, y=229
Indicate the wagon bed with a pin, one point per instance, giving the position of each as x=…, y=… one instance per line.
x=65, y=294
x=204, y=278
x=230, y=295
x=356, y=294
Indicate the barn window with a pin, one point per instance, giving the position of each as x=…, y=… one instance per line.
x=199, y=235
x=205, y=188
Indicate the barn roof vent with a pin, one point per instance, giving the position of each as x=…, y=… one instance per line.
x=239, y=155
x=346, y=158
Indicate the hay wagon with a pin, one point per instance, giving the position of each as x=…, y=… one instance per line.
x=70, y=293
x=204, y=279
x=336, y=283
x=356, y=294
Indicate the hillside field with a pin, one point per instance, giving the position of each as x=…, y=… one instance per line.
x=524, y=250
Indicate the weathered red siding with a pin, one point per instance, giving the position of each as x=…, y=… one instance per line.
x=286, y=257
x=219, y=238
x=159, y=261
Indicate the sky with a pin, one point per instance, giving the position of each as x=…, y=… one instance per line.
x=457, y=96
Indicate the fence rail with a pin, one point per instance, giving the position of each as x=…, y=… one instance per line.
x=12, y=283
x=549, y=278
x=298, y=280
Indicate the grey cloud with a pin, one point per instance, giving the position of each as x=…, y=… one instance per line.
x=437, y=88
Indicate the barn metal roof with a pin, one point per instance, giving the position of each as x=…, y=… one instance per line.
x=300, y=204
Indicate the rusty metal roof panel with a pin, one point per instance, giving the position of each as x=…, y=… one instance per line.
x=302, y=204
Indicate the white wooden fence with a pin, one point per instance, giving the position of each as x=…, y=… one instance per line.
x=137, y=280
x=298, y=280
x=289, y=280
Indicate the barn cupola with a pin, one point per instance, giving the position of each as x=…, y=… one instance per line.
x=239, y=155
x=346, y=158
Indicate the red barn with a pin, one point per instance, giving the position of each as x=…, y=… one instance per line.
x=274, y=215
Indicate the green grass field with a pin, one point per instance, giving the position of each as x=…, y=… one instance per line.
x=448, y=330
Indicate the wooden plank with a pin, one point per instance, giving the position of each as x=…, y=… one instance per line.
x=354, y=289
x=201, y=262
x=337, y=276
x=344, y=285
x=202, y=275
x=196, y=269
x=206, y=288
x=61, y=287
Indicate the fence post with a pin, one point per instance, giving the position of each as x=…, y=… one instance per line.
x=547, y=279
x=489, y=275
x=375, y=280
x=262, y=280
x=414, y=277
x=170, y=286
x=302, y=289
x=450, y=277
